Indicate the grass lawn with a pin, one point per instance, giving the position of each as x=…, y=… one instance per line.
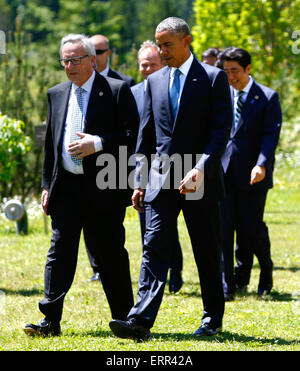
x=250, y=323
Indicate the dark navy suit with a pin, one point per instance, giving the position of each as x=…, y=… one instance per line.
x=120, y=76
x=138, y=92
x=253, y=142
x=201, y=126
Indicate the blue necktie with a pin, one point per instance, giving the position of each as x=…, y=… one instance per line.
x=238, y=108
x=175, y=91
x=77, y=119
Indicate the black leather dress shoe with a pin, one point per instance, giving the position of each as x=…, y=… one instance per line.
x=44, y=328
x=130, y=329
x=95, y=277
x=206, y=330
x=175, y=282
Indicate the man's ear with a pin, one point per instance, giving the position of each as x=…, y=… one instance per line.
x=188, y=39
x=248, y=69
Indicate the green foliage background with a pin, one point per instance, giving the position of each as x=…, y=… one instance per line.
x=34, y=29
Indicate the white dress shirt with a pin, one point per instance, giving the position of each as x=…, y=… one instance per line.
x=184, y=69
x=244, y=96
x=67, y=162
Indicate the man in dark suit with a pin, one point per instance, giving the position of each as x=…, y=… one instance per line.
x=88, y=117
x=248, y=164
x=186, y=119
x=150, y=60
x=103, y=52
x=101, y=44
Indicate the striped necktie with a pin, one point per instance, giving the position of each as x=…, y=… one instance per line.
x=238, y=108
x=77, y=119
x=175, y=91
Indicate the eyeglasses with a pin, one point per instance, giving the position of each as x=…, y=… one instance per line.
x=75, y=61
x=101, y=51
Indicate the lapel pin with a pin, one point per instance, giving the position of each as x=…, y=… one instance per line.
x=256, y=97
x=100, y=93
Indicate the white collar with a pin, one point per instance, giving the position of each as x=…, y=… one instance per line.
x=185, y=67
x=246, y=88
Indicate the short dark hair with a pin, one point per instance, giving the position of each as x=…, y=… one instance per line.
x=235, y=54
x=211, y=52
x=175, y=25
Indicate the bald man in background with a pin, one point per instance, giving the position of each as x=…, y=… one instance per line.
x=103, y=52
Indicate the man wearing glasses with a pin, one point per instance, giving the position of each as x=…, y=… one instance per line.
x=87, y=116
x=103, y=52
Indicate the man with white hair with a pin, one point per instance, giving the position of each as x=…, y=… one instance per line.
x=87, y=116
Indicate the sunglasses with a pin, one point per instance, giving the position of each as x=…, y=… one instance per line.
x=100, y=51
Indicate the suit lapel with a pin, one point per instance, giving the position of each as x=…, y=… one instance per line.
x=99, y=90
x=164, y=89
x=192, y=83
x=61, y=109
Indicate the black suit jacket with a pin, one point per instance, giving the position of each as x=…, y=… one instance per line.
x=111, y=114
x=120, y=76
x=202, y=124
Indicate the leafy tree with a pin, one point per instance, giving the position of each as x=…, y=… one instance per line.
x=264, y=28
x=154, y=11
x=13, y=143
x=24, y=79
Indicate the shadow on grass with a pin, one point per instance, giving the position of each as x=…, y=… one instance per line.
x=273, y=296
x=291, y=269
x=89, y=333
x=222, y=337
x=22, y=292
x=190, y=291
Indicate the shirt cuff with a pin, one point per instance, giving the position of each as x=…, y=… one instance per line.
x=98, y=143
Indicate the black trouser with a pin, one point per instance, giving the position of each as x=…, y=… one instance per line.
x=176, y=263
x=242, y=211
x=77, y=206
x=203, y=223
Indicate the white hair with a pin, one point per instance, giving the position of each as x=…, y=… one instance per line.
x=148, y=44
x=78, y=38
